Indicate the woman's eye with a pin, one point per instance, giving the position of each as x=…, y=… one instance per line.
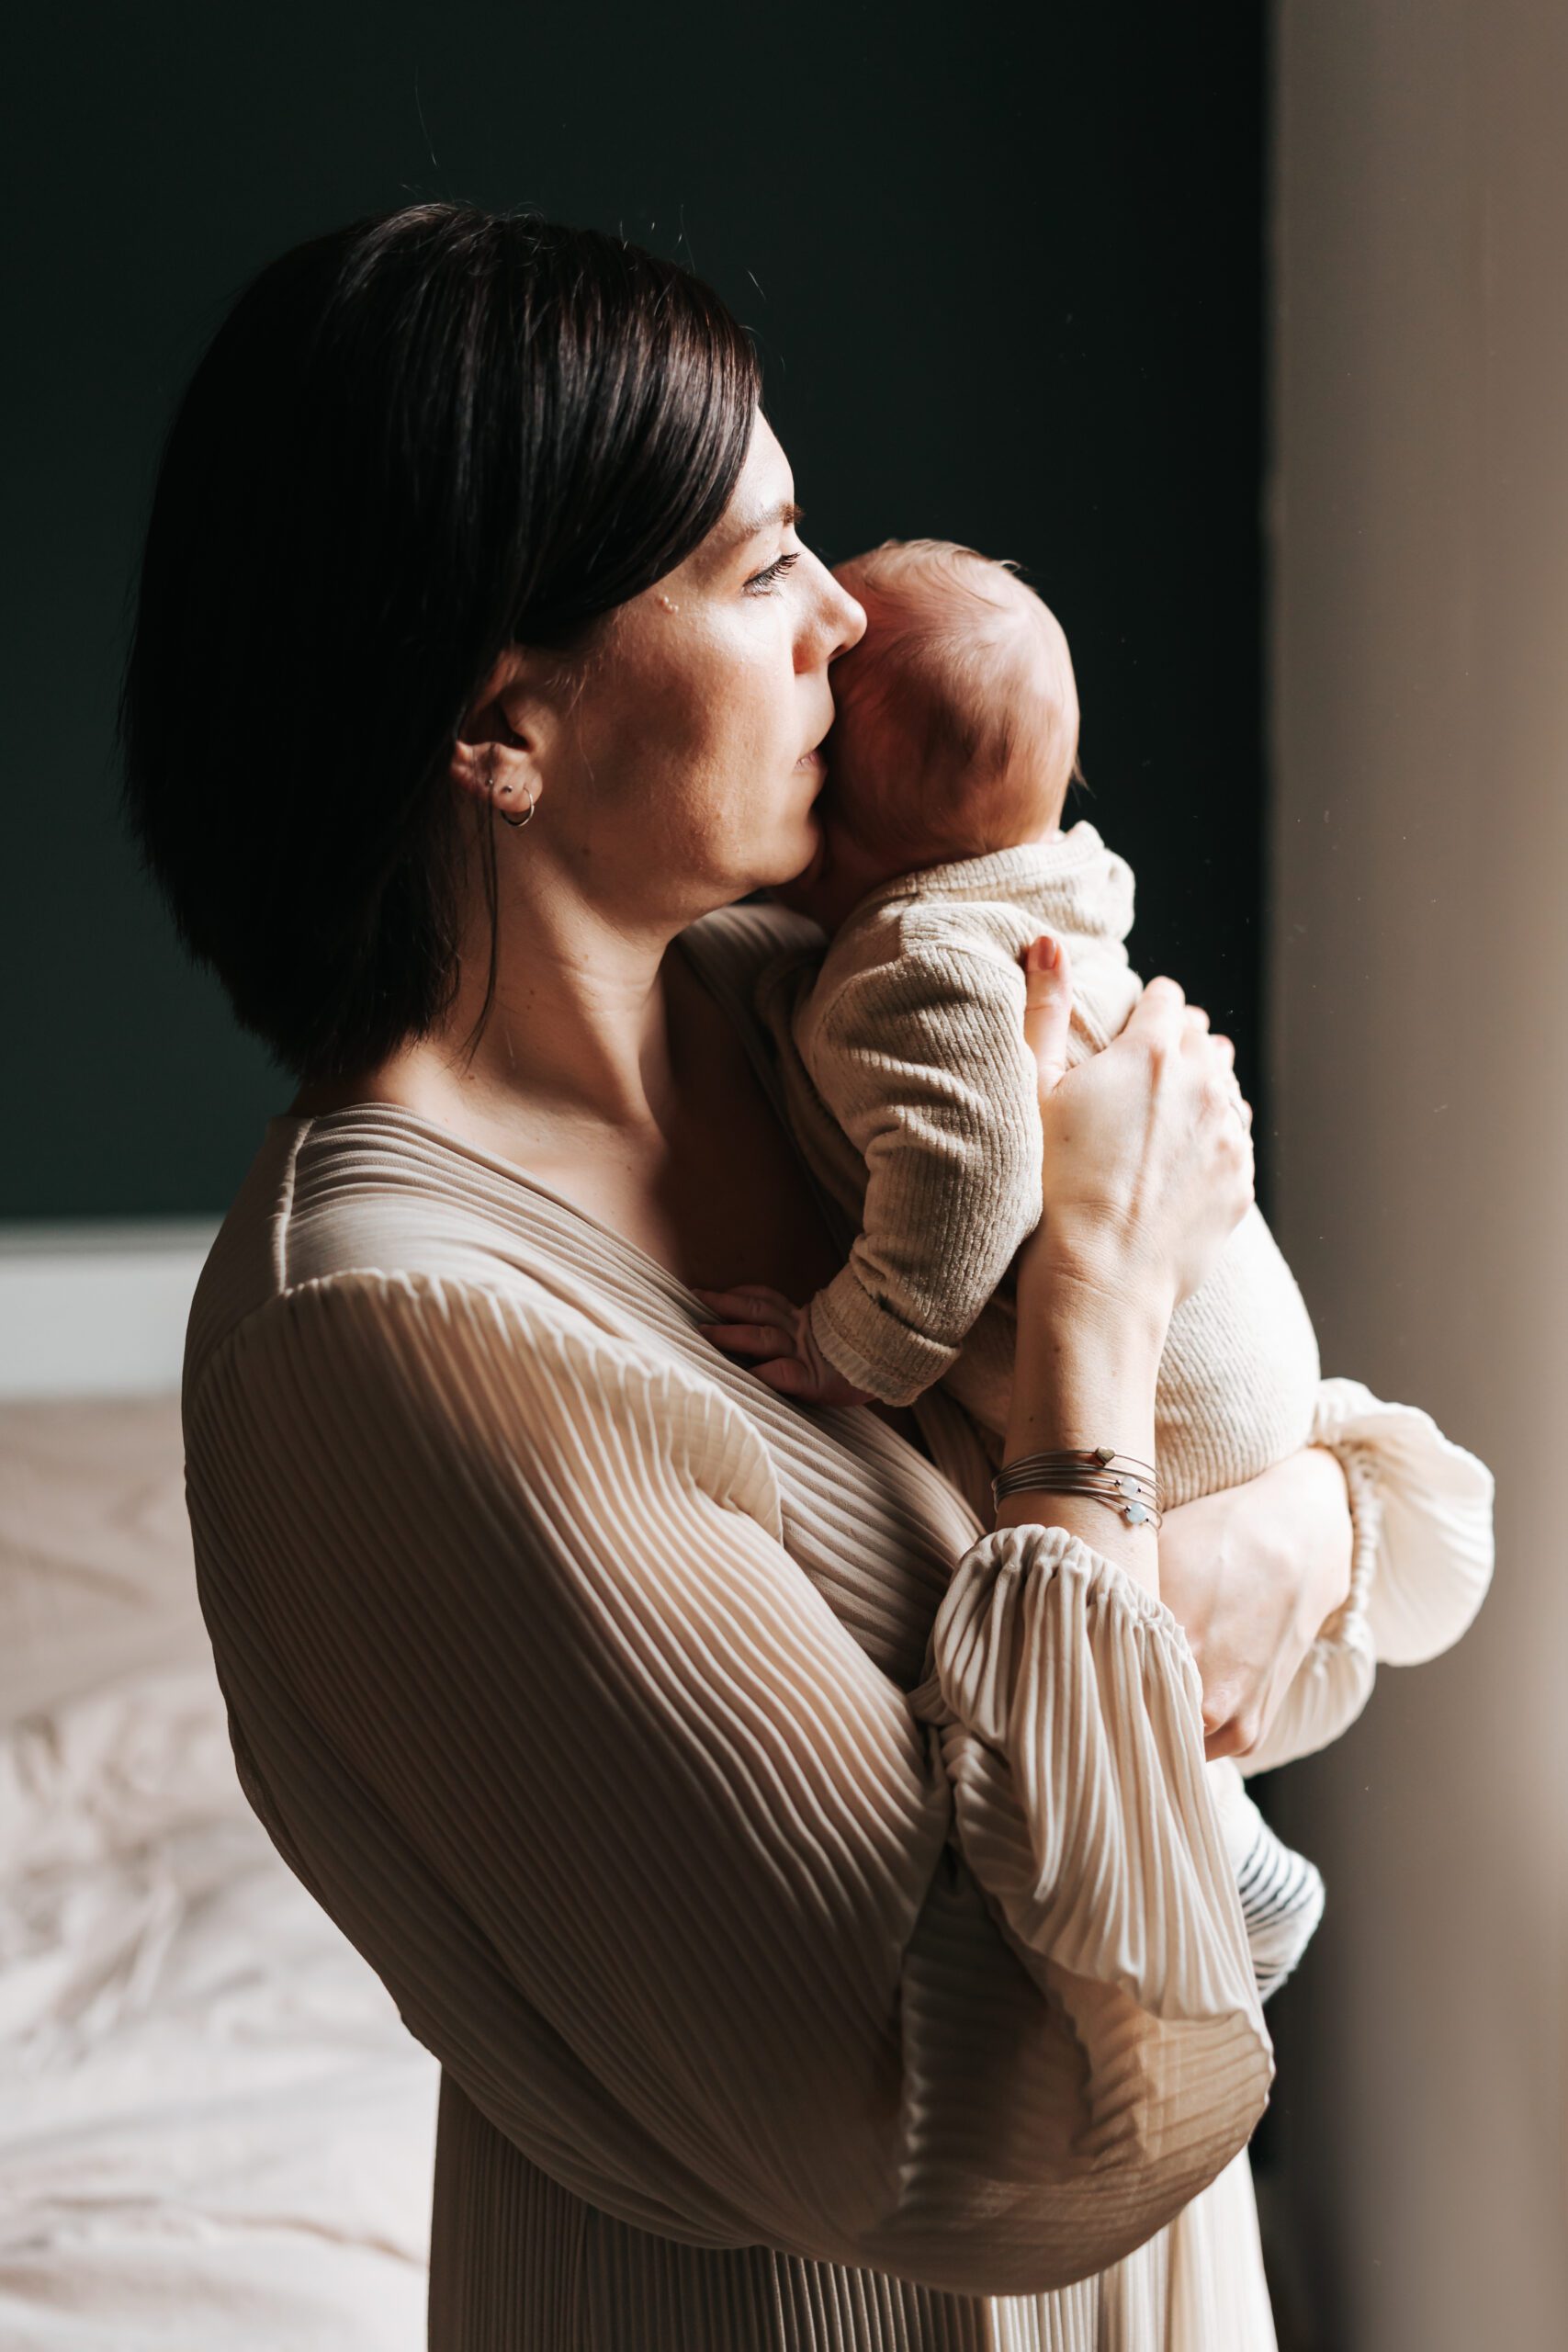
x=761, y=582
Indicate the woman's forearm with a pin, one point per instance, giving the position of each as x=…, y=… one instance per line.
x=1253, y=1573
x=1083, y=1375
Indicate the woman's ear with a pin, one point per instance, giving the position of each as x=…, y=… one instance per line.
x=506, y=740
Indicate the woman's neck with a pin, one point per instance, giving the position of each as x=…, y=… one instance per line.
x=589, y=1047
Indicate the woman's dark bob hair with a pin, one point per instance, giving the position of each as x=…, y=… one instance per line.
x=412, y=443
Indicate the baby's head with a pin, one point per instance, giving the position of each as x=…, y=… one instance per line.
x=957, y=715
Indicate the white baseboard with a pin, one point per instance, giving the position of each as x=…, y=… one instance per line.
x=97, y=1309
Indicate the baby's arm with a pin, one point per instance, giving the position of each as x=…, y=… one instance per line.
x=1281, y=1890
x=924, y=1065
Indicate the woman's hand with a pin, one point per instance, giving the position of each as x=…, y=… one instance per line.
x=1148, y=1164
x=1253, y=1575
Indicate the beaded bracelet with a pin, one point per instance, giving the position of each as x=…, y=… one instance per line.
x=1118, y=1480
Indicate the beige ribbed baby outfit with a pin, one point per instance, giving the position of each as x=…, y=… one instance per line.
x=915, y=1097
x=814, y=1897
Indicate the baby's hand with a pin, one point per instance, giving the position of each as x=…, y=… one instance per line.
x=765, y=1324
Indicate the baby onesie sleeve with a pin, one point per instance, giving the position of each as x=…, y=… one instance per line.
x=1281, y=1892
x=924, y=1064
x=728, y=1932
x=1421, y=1563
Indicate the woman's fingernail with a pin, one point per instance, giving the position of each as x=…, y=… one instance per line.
x=1043, y=954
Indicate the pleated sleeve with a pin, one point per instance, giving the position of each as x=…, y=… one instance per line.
x=728, y=1932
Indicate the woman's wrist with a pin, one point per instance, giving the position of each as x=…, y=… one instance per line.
x=1085, y=1351
x=1084, y=1374
x=1089, y=1287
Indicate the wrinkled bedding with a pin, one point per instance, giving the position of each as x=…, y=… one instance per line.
x=215, y=2131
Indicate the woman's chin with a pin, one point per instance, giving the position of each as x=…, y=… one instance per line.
x=802, y=892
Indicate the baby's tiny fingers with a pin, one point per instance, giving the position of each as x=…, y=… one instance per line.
x=750, y=1338
x=746, y=1299
x=788, y=1377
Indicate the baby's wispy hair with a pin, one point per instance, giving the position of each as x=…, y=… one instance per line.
x=962, y=677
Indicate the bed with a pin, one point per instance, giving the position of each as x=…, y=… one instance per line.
x=215, y=2131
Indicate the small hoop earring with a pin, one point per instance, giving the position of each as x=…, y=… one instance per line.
x=517, y=824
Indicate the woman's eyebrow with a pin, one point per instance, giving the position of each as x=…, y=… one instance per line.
x=752, y=526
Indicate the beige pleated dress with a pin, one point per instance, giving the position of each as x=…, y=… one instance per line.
x=814, y=1899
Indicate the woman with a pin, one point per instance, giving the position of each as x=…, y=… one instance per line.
x=805, y=1875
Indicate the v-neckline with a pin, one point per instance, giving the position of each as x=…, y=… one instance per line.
x=926, y=1410
x=749, y=1030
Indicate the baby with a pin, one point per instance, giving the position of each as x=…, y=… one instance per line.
x=942, y=856
x=915, y=1097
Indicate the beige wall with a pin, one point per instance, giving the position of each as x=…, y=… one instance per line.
x=1420, y=999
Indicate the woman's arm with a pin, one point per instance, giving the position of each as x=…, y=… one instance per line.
x=1254, y=1573
x=727, y=1932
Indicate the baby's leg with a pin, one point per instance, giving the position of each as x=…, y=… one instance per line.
x=1281, y=1892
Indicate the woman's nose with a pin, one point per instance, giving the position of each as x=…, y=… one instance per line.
x=842, y=618
x=830, y=623
x=853, y=625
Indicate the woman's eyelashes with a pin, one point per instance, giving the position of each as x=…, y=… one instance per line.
x=760, y=583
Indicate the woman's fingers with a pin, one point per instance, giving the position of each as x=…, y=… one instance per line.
x=1223, y=1049
x=1048, y=1007
x=1159, y=1008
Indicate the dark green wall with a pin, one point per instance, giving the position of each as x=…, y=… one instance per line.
x=1006, y=269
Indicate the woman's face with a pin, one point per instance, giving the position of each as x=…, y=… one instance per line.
x=686, y=776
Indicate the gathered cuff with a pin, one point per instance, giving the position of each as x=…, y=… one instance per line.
x=871, y=1346
x=1334, y=1679
x=1434, y=1549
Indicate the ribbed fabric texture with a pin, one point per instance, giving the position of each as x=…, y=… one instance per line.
x=817, y=1902
x=914, y=1101
x=914, y=1095
x=1281, y=1892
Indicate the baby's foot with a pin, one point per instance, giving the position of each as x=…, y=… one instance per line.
x=765, y=1323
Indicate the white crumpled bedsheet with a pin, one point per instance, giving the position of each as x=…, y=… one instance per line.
x=215, y=2131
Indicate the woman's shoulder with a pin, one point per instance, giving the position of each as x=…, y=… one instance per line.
x=376, y=1201
x=378, y=1291
x=377, y=1196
